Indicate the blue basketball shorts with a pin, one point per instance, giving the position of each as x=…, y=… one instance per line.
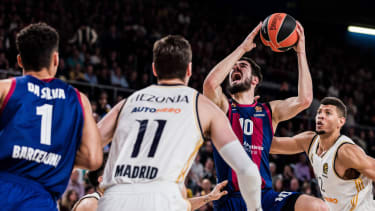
x=19, y=194
x=271, y=201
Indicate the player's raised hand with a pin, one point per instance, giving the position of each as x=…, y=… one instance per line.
x=248, y=44
x=300, y=47
x=217, y=192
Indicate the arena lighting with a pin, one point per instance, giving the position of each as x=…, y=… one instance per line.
x=361, y=30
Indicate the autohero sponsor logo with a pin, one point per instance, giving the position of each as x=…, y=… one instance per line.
x=143, y=97
x=155, y=110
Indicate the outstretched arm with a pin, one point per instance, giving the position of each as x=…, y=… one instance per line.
x=352, y=156
x=108, y=124
x=287, y=109
x=215, y=194
x=211, y=85
x=292, y=145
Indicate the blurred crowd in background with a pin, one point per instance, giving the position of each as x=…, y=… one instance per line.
x=107, y=44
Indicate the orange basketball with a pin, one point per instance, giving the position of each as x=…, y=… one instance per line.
x=279, y=32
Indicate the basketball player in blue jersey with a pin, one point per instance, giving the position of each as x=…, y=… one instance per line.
x=255, y=123
x=46, y=127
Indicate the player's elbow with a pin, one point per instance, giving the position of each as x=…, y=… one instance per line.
x=305, y=101
x=321, y=206
x=252, y=173
x=209, y=86
x=95, y=162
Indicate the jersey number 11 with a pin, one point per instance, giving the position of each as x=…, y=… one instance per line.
x=141, y=134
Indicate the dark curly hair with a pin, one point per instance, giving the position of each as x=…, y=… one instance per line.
x=35, y=44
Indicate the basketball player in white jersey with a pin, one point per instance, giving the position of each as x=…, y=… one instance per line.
x=156, y=134
x=89, y=202
x=344, y=171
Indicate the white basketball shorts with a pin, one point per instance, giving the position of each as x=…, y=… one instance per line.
x=153, y=196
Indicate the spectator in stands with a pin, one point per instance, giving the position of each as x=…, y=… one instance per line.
x=118, y=79
x=306, y=188
x=68, y=200
x=103, y=106
x=288, y=175
x=197, y=169
x=278, y=183
x=209, y=169
x=90, y=75
x=294, y=185
x=76, y=184
x=302, y=169
x=104, y=77
x=76, y=74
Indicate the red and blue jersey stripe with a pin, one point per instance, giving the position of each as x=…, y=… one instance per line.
x=253, y=126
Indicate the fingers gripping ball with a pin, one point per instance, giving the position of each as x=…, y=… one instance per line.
x=279, y=32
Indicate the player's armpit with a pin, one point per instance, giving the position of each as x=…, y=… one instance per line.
x=286, y=109
x=215, y=94
x=292, y=145
x=90, y=153
x=352, y=156
x=108, y=123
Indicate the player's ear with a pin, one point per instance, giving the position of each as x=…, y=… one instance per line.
x=154, y=70
x=254, y=80
x=100, y=179
x=55, y=59
x=188, y=70
x=19, y=61
x=342, y=121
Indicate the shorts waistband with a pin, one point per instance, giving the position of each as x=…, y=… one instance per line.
x=157, y=187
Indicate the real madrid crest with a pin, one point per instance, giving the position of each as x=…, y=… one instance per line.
x=325, y=168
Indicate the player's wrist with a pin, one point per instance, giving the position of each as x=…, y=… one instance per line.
x=243, y=49
x=207, y=198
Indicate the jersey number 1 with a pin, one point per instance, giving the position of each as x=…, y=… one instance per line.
x=141, y=134
x=45, y=128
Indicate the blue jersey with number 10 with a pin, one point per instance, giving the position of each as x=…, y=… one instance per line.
x=40, y=131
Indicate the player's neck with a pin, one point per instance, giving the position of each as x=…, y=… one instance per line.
x=44, y=73
x=246, y=97
x=327, y=140
x=171, y=81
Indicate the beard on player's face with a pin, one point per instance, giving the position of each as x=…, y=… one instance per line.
x=235, y=88
x=320, y=132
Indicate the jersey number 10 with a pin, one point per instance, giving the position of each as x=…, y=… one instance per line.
x=247, y=126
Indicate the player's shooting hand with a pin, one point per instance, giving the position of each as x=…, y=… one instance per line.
x=300, y=47
x=217, y=192
x=248, y=44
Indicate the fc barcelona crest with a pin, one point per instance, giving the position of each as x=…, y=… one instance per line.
x=258, y=109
